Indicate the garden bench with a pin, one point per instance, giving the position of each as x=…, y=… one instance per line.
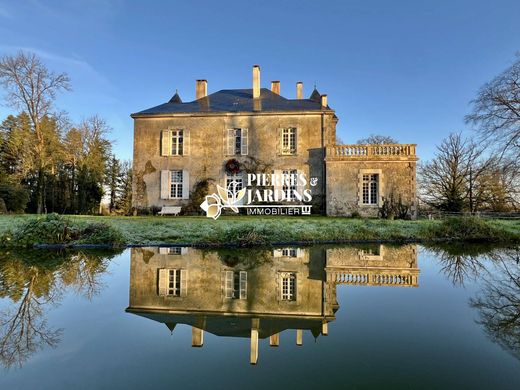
x=170, y=210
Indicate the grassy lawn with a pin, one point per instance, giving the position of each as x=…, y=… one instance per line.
x=248, y=230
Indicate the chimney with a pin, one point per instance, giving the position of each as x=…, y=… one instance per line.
x=256, y=81
x=275, y=87
x=324, y=101
x=201, y=89
x=299, y=90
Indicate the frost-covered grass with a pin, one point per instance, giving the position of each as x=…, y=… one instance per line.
x=254, y=230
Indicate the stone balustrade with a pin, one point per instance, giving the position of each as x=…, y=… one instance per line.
x=367, y=278
x=372, y=151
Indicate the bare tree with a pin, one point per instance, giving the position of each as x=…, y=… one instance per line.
x=446, y=178
x=377, y=139
x=31, y=87
x=496, y=111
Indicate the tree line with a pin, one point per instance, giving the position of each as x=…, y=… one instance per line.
x=47, y=163
x=480, y=172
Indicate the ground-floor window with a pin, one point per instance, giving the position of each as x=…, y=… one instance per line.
x=234, y=183
x=290, y=183
x=176, y=185
x=370, y=188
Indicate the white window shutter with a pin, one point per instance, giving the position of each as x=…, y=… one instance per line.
x=185, y=184
x=277, y=253
x=164, y=250
x=279, y=286
x=231, y=142
x=278, y=185
x=228, y=285
x=166, y=143
x=165, y=185
x=186, y=140
x=184, y=282
x=184, y=250
x=163, y=282
x=224, y=142
x=243, y=285
x=245, y=142
x=300, y=252
x=223, y=283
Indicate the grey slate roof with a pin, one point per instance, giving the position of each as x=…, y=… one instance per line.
x=235, y=100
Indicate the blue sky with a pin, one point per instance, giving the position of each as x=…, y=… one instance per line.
x=403, y=68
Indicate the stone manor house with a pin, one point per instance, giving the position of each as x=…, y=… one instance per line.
x=177, y=144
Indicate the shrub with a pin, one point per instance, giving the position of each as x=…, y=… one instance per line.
x=467, y=229
x=392, y=209
x=197, y=196
x=57, y=229
x=100, y=233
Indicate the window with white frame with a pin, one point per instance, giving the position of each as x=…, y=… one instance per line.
x=175, y=250
x=172, y=282
x=237, y=142
x=177, y=142
x=289, y=140
x=289, y=187
x=235, y=284
x=234, y=183
x=288, y=286
x=370, y=189
x=176, y=185
x=289, y=252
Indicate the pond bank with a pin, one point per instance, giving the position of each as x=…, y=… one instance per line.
x=241, y=231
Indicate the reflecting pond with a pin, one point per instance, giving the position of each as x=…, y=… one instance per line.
x=367, y=316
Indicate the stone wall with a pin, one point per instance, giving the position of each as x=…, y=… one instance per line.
x=207, y=149
x=397, y=179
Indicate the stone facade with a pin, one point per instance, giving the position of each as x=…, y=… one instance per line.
x=394, y=165
x=261, y=116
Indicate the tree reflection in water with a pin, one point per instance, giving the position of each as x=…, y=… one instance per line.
x=498, y=301
x=460, y=263
x=33, y=281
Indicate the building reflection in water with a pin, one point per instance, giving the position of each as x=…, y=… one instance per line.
x=258, y=294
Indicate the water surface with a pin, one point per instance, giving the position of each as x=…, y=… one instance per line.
x=373, y=316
